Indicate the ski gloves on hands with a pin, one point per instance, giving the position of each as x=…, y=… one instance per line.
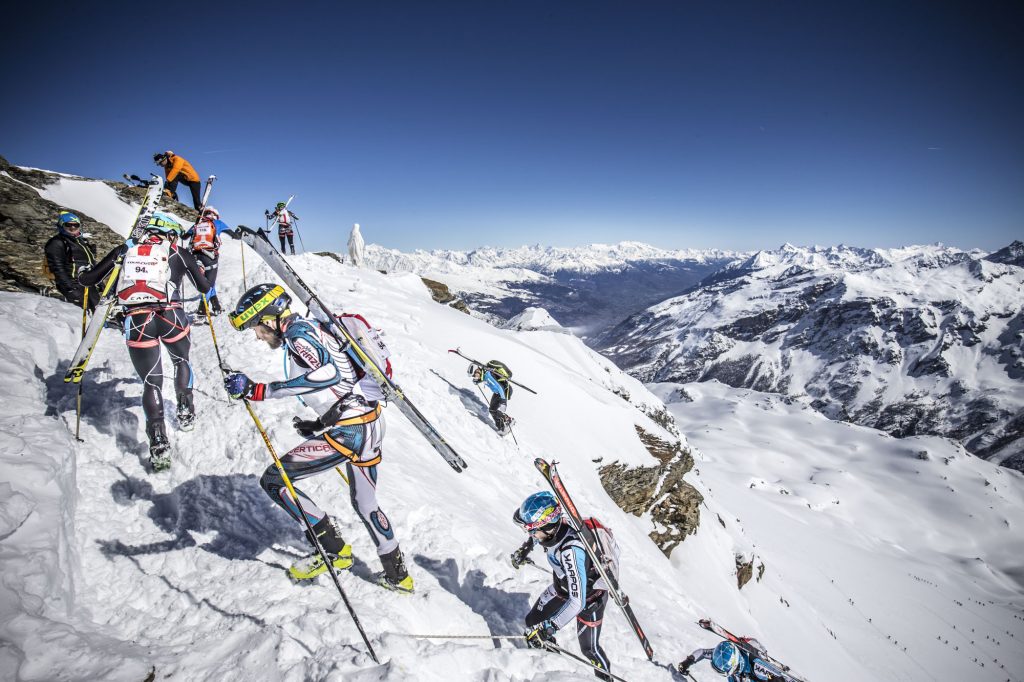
x=543, y=633
x=684, y=666
x=240, y=386
x=308, y=429
x=522, y=555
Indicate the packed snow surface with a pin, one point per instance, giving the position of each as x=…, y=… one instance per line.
x=880, y=563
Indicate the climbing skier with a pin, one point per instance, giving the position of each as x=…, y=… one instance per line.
x=495, y=375
x=578, y=593
x=285, y=223
x=205, y=246
x=149, y=287
x=67, y=253
x=178, y=169
x=737, y=664
x=349, y=429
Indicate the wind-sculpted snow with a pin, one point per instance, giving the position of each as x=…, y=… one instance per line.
x=922, y=340
x=874, y=548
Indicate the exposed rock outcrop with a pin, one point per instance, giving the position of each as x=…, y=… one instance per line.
x=673, y=503
x=443, y=295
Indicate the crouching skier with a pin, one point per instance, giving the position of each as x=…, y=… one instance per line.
x=731, y=661
x=577, y=593
x=149, y=287
x=349, y=431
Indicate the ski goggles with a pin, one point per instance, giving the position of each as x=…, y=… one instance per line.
x=547, y=518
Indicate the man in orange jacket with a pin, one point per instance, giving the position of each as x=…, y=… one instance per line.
x=178, y=169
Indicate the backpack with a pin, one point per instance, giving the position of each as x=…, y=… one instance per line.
x=369, y=340
x=606, y=547
x=500, y=369
x=145, y=271
x=205, y=236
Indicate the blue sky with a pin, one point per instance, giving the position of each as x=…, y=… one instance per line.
x=455, y=125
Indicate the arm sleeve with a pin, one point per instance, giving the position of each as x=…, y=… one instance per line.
x=175, y=168
x=574, y=563
x=56, y=259
x=323, y=373
x=701, y=654
x=193, y=270
x=97, y=273
x=494, y=385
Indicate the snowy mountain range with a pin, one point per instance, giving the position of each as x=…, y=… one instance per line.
x=587, y=289
x=920, y=340
x=850, y=554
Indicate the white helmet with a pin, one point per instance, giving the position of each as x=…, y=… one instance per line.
x=212, y=212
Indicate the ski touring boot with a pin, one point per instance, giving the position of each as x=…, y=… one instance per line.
x=159, y=447
x=215, y=308
x=394, y=576
x=504, y=427
x=334, y=547
x=186, y=412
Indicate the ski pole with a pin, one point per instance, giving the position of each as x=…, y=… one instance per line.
x=295, y=495
x=81, y=385
x=551, y=646
x=241, y=245
x=417, y=636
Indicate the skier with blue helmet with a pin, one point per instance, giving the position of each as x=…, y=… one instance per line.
x=577, y=593
x=738, y=663
x=68, y=254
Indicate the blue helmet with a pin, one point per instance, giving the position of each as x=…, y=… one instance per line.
x=726, y=658
x=538, y=511
x=66, y=220
x=165, y=224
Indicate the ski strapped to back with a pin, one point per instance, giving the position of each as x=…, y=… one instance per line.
x=484, y=364
x=108, y=300
x=592, y=546
x=781, y=669
x=392, y=392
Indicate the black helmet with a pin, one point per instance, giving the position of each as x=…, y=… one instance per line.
x=159, y=157
x=263, y=300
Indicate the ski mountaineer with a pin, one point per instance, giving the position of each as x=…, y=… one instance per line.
x=205, y=246
x=285, y=219
x=177, y=169
x=739, y=666
x=349, y=430
x=495, y=375
x=67, y=254
x=150, y=289
x=577, y=593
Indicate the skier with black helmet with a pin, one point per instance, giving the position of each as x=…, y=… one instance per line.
x=577, y=594
x=149, y=287
x=178, y=169
x=349, y=430
x=285, y=224
x=68, y=253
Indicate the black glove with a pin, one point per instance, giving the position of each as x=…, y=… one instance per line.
x=307, y=428
x=684, y=666
x=540, y=635
x=522, y=555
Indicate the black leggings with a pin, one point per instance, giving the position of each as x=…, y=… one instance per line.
x=291, y=241
x=193, y=185
x=588, y=627
x=208, y=259
x=145, y=328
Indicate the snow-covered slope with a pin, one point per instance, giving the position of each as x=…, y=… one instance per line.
x=110, y=572
x=921, y=340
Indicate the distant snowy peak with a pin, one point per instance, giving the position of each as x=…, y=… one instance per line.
x=534, y=319
x=542, y=259
x=843, y=258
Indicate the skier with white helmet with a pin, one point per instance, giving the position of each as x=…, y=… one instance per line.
x=149, y=287
x=205, y=246
x=577, y=594
x=348, y=432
